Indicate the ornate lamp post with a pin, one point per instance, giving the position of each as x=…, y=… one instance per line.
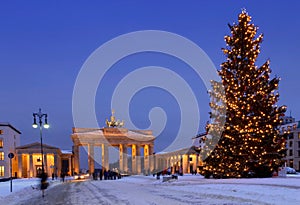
x=40, y=116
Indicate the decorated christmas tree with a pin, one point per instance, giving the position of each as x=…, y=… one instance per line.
x=250, y=142
x=215, y=127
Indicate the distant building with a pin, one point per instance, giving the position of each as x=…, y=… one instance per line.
x=292, y=128
x=56, y=161
x=9, y=140
x=287, y=120
x=183, y=161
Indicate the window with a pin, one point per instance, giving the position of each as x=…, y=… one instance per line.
x=299, y=153
x=1, y=155
x=291, y=143
x=1, y=132
x=299, y=144
x=1, y=143
x=291, y=152
x=294, y=126
x=299, y=135
x=1, y=171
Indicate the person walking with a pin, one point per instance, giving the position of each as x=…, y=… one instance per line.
x=44, y=183
x=62, y=176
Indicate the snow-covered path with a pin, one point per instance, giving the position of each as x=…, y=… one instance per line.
x=148, y=190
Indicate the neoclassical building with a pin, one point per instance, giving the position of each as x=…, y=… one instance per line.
x=185, y=160
x=114, y=135
x=30, y=160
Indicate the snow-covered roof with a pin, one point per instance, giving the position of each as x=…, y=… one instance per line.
x=66, y=151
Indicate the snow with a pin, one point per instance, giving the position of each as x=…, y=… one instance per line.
x=66, y=151
x=188, y=189
x=21, y=187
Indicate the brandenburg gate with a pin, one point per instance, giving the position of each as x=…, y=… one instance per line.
x=115, y=135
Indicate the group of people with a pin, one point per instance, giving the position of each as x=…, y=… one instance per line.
x=194, y=172
x=62, y=176
x=106, y=175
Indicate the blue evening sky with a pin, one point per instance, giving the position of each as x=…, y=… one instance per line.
x=43, y=45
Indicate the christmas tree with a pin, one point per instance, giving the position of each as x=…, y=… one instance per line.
x=215, y=127
x=250, y=141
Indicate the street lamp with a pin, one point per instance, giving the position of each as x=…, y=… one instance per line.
x=40, y=116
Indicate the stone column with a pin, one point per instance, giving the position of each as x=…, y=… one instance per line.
x=91, y=157
x=20, y=167
x=157, y=161
x=125, y=159
x=121, y=157
x=189, y=163
x=151, y=158
x=105, y=162
x=133, y=155
x=70, y=166
x=55, y=164
x=172, y=163
x=168, y=162
x=164, y=162
x=138, y=159
x=196, y=163
x=186, y=163
x=30, y=165
x=76, y=158
x=160, y=163
x=146, y=159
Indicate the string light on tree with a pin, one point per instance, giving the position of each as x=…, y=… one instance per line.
x=250, y=141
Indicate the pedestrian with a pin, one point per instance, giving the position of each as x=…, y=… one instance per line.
x=101, y=174
x=169, y=171
x=62, y=176
x=44, y=183
x=105, y=175
x=180, y=171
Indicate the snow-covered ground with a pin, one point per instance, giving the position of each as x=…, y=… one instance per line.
x=187, y=189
